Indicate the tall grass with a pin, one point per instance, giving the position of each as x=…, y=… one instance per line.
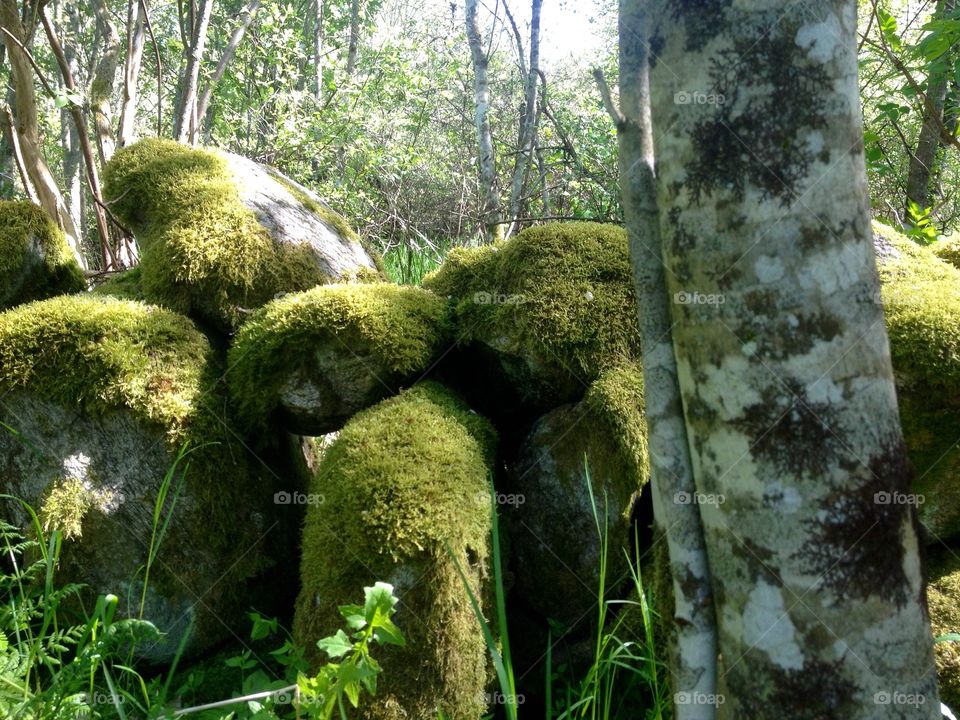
x=407, y=264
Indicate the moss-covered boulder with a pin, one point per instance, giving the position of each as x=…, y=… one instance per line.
x=553, y=531
x=921, y=299
x=320, y=356
x=97, y=398
x=125, y=285
x=35, y=260
x=549, y=309
x=220, y=234
x=405, y=481
x=943, y=600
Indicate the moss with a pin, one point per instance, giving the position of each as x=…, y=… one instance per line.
x=615, y=401
x=943, y=600
x=560, y=296
x=64, y=506
x=126, y=285
x=203, y=250
x=35, y=260
x=403, y=481
x=948, y=250
x=398, y=331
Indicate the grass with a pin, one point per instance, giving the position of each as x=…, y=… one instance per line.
x=408, y=264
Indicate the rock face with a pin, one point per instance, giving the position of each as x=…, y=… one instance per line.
x=547, y=310
x=402, y=487
x=101, y=396
x=553, y=531
x=320, y=356
x=35, y=260
x=221, y=235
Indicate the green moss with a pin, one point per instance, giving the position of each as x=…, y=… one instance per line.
x=948, y=250
x=560, y=295
x=400, y=329
x=403, y=481
x=126, y=285
x=203, y=250
x=35, y=260
x=943, y=600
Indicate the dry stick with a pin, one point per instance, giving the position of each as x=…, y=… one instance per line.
x=109, y=259
x=14, y=141
x=156, y=53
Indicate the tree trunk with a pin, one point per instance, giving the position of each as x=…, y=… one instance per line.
x=136, y=37
x=104, y=77
x=318, y=9
x=784, y=364
x=69, y=142
x=924, y=158
x=246, y=17
x=27, y=128
x=693, y=656
x=354, y=43
x=490, y=211
x=185, y=121
x=528, y=125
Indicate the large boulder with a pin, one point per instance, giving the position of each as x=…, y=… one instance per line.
x=596, y=446
x=921, y=300
x=35, y=260
x=320, y=356
x=547, y=310
x=99, y=397
x=399, y=494
x=221, y=235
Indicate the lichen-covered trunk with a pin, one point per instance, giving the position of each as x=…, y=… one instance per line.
x=784, y=364
x=185, y=121
x=693, y=649
x=104, y=77
x=490, y=198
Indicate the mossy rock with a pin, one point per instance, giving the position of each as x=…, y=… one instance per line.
x=100, y=395
x=320, y=356
x=943, y=600
x=554, y=537
x=221, y=235
x=35, y=260
x=921, y=299
x=125, y=285
x=948, y=250
x=550, y=308
x=402, y=487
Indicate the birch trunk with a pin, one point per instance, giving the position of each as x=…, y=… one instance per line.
x=246, y=17
x=354, y=42
x=136, y=37
x=318, y=10
x=693, y=643
x=784, y=364
x=490, y=210
x=185, y=120
x=104, y=78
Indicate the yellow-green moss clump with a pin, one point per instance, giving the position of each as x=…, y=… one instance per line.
x=35, y=260
x=324, y=354
x=110, y=391
x=921, y=300
x=943, y=600
x=404, y=481
x=203, y=250
x=948, y=250
x=555, y=304
x=126, y=285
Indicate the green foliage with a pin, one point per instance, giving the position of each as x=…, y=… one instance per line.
x=35, y=260
x=400, y=328
x=920, y=225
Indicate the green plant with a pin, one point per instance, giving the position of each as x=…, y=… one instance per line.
x=920, y=226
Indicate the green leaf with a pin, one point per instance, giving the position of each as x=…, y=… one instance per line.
x=379, y=597
x=948, y=637
x=354, y=615
x=387, y=633
x=336, y=645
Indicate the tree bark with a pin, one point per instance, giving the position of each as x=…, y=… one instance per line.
x=246, y=17
x=784, y=363
x=528, y=125
x=136, y=37
x=490, y=198
x=693, y=643
x=104, y=78
x=354, y=43
x=26, y=126
x=69, y=142
x=318, y=9
x=185, y=121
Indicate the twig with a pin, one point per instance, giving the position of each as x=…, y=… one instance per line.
x=618, y=119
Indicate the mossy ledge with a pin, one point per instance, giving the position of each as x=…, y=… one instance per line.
x=405, y=481
x=324, y=354
x=204, y=251
x=555, y=304
x=35, y=260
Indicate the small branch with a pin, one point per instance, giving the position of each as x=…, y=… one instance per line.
x=14, y=141
x=36, y=68
x=618, y=119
